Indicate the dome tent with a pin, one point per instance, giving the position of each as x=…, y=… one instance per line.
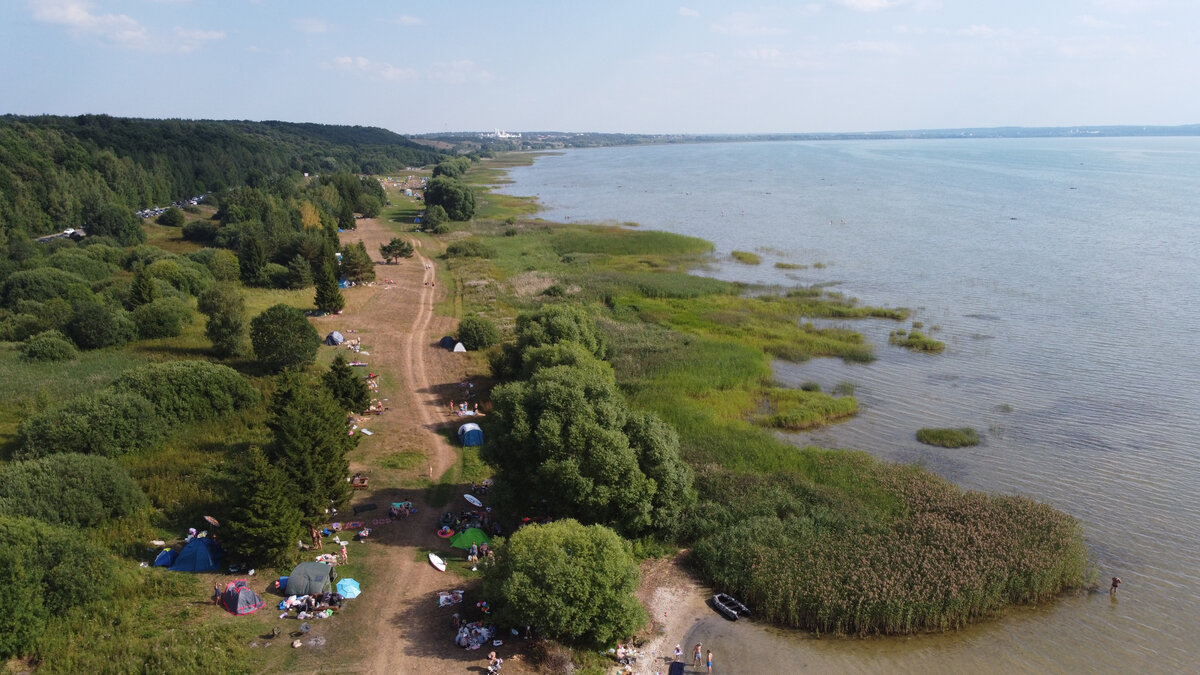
x=470, y=434
x=334, y=339
x=240, y=599
x=311, y=577
x=447, y=343
x=201, y=554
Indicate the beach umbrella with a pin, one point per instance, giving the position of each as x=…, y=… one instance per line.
x=348, y=588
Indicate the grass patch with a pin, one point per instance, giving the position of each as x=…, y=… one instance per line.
x=915, y=341
x=948, y=438
x=746, y=257
x=790, y=266
x=801, y=409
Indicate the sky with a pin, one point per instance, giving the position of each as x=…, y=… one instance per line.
x=704, y=66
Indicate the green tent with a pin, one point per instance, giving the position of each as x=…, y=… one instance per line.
x=465, y=538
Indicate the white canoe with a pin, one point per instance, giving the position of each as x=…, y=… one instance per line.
x=437, y=562
x=473, y=500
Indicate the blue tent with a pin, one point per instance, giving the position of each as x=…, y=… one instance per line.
x=200, y=555
x=470, y=434
x=447, y=342
x=166, y=558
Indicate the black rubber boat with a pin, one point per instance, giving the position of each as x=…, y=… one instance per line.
x=729, y=606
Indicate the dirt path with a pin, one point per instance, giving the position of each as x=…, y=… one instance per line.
x=401, y=628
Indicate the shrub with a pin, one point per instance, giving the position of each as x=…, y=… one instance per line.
x=78, y=262
x=189, y=391
x=164, y=317
x=224, y=265
x=50, y=345
x=172, y=217
x=477, y=332
x=69, y=489
x=469, y=248
x=575, y=583
x=435, y=216
x=283, y=338
x=226, y=312
x=106, y=423
x=40, y=284
x=277, y=276
x=94, y=326
x=200, y=230
x=144, y=256
x=948, y=438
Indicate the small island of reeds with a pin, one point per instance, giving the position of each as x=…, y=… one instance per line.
x=948, y=438
x=915, y=341
x=747, y=257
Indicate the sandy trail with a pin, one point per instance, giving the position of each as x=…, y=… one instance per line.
x=403, y=631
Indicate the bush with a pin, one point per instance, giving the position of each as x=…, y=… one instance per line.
x=278, y=276
x=451, y=194
x=202, y=231
x=40, y=284
x=469, y=248
x=78, y=262
x=69, y=489
x=948, y=438
x=477, y=332
x=106, y=423
x=226, y=312
x=575, y=584
x=164, y=317
x=189, y=391
x=94, y=326
x=435, y=216
x=50, y=345
x=172, y=217
x=283, y=338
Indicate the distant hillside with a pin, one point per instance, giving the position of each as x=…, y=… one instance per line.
x=58, y=172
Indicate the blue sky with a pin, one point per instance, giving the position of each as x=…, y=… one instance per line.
x=704, y=66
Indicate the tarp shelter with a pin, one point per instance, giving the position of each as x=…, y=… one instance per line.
x=200, y=555
x=311, y=577
x=348, y=588
x=344, y=283
x=469, y=536
x=240, y=599
x=470, y=434
x=334, y=339
x=447, y=343
x=166, y=558
x=458, y=347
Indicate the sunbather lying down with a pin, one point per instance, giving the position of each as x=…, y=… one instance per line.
x=449, y=598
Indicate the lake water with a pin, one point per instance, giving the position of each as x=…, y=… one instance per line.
x=1064, y=277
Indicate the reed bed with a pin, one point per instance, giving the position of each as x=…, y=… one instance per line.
x=948, y=438
x=746, y=257
x=915, y=341
x=801, y=409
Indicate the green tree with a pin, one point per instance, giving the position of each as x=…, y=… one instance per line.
x=226, y=325
x=24, y=616
x=329, y=295
x=93, y=326
x=345, y=220
x=299, y=273
x=310, y=443
x=172, y=217
x=106, y=423
x=50, y=345
x=142, y=291
x=477, y=332
x=252, y=261
x=453, y=195
x=396, y=248
x=347, y=387
x=283, y=338
x=118, y=222
x=264, y=522
x=434, y=216
x=368, y=206
x=573, y=583
x=356, y=264
x=224, y=265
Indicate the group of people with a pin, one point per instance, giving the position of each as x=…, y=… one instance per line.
x=699, y=659
x=317, y=605
x=479, y=551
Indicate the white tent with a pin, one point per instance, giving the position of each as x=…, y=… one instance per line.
x=458, y=347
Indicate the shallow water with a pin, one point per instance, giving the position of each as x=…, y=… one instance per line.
x=1061, y=273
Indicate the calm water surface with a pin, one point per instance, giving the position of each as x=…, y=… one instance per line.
x=1064, y=276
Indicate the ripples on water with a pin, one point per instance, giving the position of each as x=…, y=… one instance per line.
x=1061, y=273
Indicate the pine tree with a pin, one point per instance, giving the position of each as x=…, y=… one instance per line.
x=226, y=311
x=329, y=296
x=347, y=387
x=356, y=263
x=253, y=261
x=143, y=291
x=299, y=272
x=310, y=443
x=265, y=522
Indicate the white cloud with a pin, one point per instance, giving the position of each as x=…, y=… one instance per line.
x=458, y=72
x=745, y=24
x=78, y=17
x=378, y=69
x=190, y=39
x=310, y=25
x=688, y=11
x=406, y=20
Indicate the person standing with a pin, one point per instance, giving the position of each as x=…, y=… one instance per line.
x=1116, y=582
x=697, y=654
x=708, y=662
x=678, y=653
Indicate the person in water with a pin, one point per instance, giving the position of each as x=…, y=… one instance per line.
x=1116, y=581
